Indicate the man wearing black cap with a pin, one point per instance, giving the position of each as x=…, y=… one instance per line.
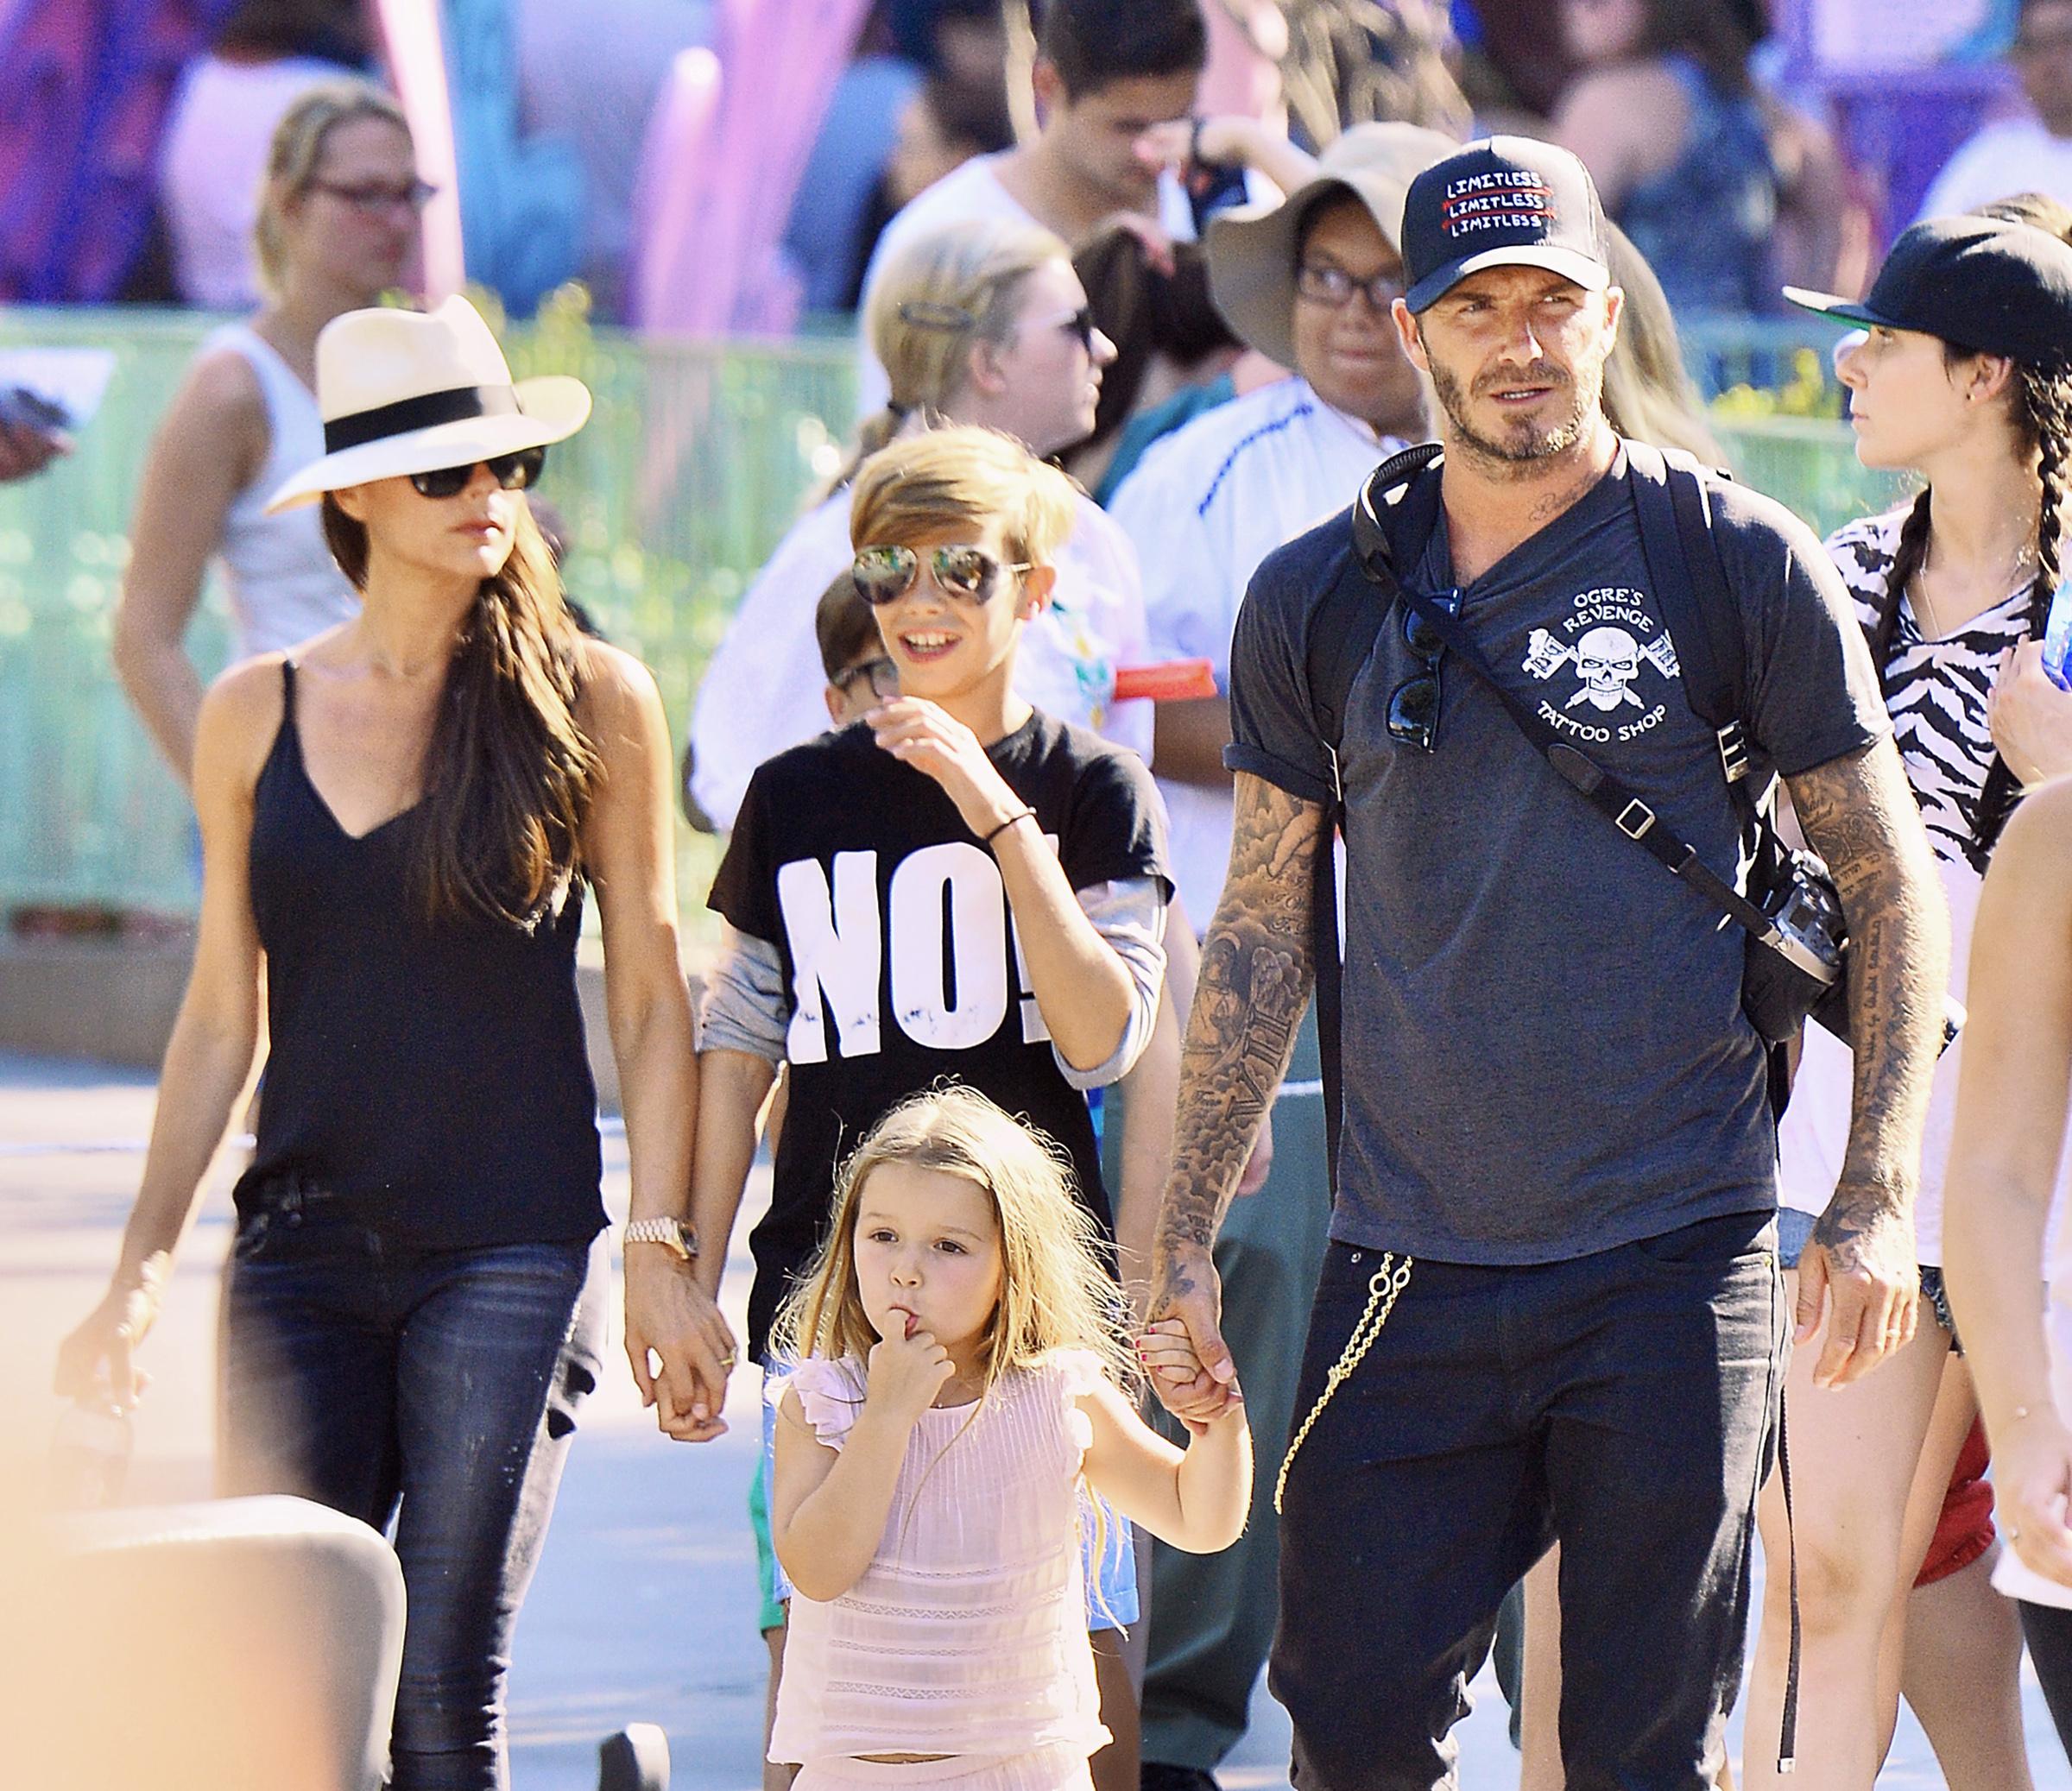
x=1551, y=1306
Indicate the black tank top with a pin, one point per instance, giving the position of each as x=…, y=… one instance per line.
x=432, y=1074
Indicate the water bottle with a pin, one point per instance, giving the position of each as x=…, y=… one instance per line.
x=2057, y=638
x=90, y=1455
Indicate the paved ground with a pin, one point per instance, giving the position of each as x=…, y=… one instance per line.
x=644, y=1608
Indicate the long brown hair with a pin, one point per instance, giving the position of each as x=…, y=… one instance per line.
x=508, y=772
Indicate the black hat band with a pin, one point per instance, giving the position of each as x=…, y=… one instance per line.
x=457, y=405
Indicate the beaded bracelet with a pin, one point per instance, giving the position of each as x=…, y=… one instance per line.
x=1024, y=815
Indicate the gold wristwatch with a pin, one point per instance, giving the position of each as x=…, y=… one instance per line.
x=670, y=1231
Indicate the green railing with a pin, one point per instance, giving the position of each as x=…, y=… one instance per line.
x=698, y=457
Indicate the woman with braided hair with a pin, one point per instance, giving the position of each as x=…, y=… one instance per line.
x=1961, y=377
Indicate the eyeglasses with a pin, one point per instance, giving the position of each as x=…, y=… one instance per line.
x=1328, y=284
x=1413, y=706
x=380, y=195
x=886, y=574
x=884, y=677
x=511, y=472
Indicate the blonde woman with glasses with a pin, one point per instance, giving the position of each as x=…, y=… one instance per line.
x=336, y=227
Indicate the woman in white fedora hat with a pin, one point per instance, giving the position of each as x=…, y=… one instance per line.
x=401, y=814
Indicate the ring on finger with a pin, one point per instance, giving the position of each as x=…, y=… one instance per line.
x=727, y=1360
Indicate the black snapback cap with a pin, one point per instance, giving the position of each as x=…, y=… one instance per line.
x=1990, y=286
x=1504, y=202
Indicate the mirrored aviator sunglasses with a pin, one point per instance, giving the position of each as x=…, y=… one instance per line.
x=513, y=472
x=886, y=574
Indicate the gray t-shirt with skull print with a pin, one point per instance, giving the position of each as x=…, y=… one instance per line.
x=1543, y=1050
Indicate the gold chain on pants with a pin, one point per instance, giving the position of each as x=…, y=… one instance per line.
x=1389, y=1280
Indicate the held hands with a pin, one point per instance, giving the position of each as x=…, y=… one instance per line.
x=97, y=1360
x=671, y=1317
x=1865, y=1268
x=2031, y=718
x=905, y=1373
x=2032, y=1477
x=918, y=732
x=1165, y=1350
x=1197, y=1384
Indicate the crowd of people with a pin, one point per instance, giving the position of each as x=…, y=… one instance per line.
x=1708, y=125
x=1166, y=951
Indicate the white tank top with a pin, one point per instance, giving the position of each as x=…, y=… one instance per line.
x=967, y=1633
x=282, y=583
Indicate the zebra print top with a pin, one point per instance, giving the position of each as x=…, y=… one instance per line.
x=1937, y=690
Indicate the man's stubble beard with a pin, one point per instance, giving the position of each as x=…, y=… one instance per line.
x=1530, y=442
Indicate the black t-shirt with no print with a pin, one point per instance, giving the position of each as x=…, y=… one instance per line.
x=899, y=951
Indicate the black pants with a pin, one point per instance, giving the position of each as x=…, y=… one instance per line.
x=2048, y=1630
x=1622, y=1402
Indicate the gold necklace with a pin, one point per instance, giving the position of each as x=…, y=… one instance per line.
x=1924, y=610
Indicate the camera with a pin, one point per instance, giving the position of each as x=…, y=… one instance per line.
x=1806, y=921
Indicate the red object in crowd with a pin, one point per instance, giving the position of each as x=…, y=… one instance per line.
x=1168, y=681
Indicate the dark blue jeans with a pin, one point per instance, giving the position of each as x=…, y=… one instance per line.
x=1622, y=1402
x=436, y=1390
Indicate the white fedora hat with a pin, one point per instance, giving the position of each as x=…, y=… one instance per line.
x=411, y=391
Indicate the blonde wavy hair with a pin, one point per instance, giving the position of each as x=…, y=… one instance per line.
x=962, y=474
x=934, y=300
x=1649, y=394
x=296, y=150
x=1057, y=1287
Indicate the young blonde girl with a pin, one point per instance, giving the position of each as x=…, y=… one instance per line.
x=960, y=1383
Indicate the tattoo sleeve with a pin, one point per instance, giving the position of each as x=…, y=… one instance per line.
x=1859, y=814
x=1258, y=966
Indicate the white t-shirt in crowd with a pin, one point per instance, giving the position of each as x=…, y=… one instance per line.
x=763, y=690
x=2016, y=155
x=1206, y=505
x=969, y=193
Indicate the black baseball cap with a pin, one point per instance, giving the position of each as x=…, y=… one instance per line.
x=1504, y=202
x=1987, y=284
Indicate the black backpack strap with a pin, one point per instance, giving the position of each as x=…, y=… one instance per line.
x=1605, y=792
x=1343, y=633
x=1674, y=512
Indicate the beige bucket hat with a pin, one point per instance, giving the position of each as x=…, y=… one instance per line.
x=410, y=392
x=1252, y=257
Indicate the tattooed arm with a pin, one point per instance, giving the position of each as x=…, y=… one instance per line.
x=1859, y=814
x=1257, y=969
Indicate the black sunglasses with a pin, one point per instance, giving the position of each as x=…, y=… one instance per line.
x=884, y=677
x=886, y=574
x=511, y=472
x=1413, y=705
